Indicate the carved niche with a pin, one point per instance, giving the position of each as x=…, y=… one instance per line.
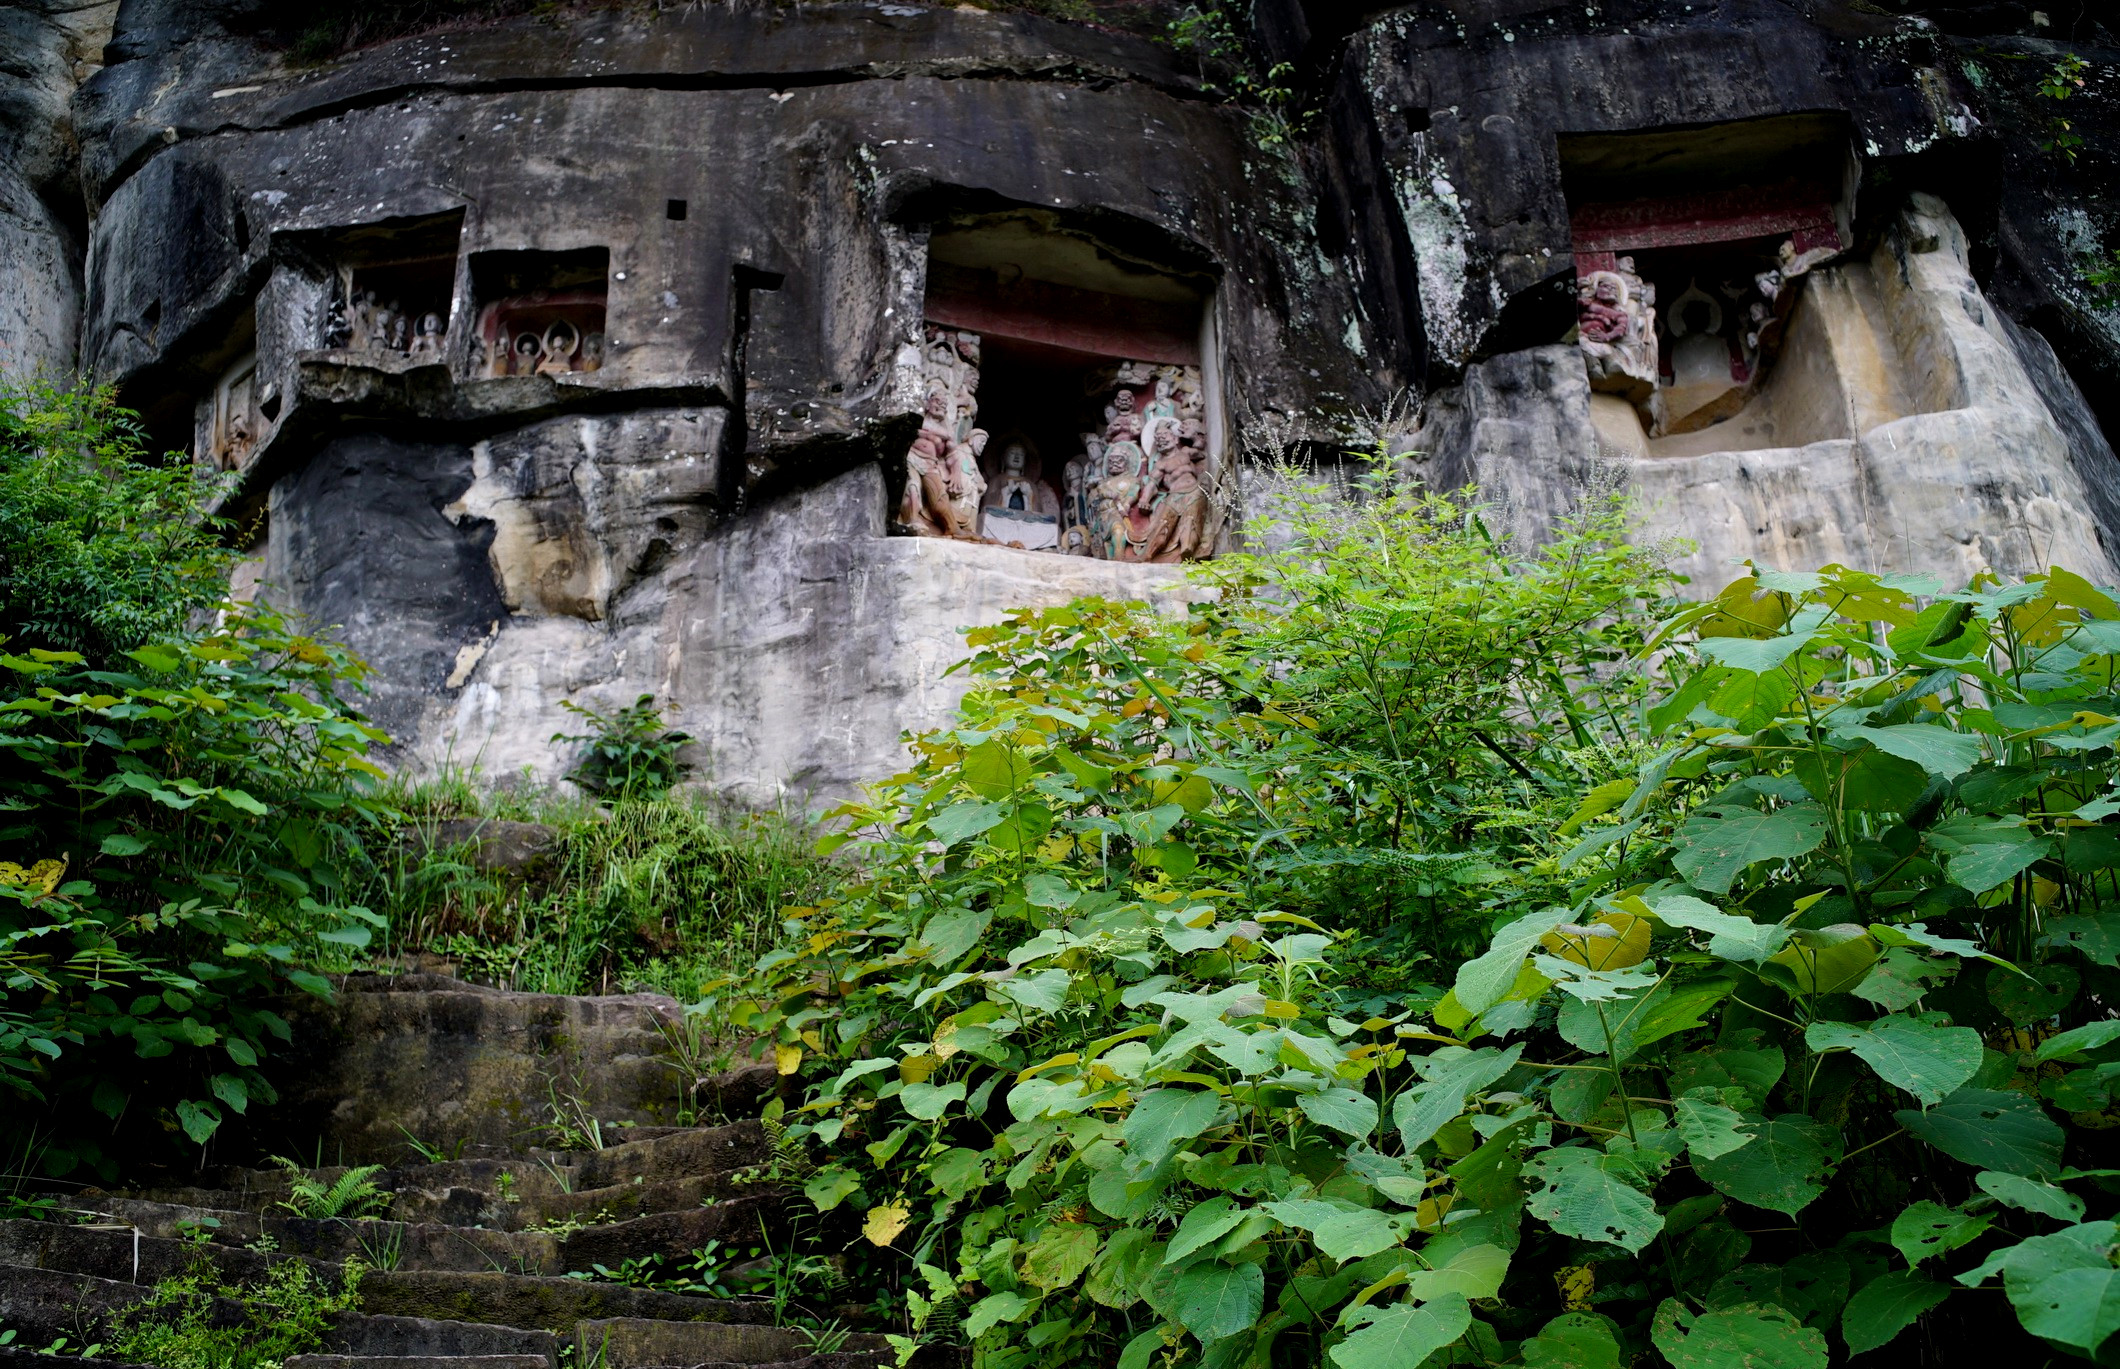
x=237, y=424
x=539, y=313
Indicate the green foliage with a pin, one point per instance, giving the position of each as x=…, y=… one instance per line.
x=189, y=821
x=1813, y=1038
x=2063, y=81
x=1227, y=70
x=628, y=754
x=198, y=1320
x=352, y=1194
x=664, y=894
x=101, y=547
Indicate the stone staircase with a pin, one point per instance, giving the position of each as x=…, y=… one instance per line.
x=467, y=1265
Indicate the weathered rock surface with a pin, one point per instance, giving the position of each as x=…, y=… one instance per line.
x=704, y=516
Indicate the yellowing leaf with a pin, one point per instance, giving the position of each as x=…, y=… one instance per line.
x=787, y=1059
x=1277, y=1008
x=44, y=876
x=884, y=1222
x=1611, y=941
x=915, y=1068
x=1577, y=1282
x=946, y=1040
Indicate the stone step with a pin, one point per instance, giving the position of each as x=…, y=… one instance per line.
x=540, y=1303
x=671, y=1234
x=416, y=1362
x=165, y=1243
x=372, y=1336
x=637, y=1343
x=16, y=1357
x=40, y=1304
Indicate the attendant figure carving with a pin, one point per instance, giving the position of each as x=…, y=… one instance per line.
x=1176, y=501
x=1111, y=502
x=1616, y=327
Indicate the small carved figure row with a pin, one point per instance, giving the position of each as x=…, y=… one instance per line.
x=370, y=325
x=561, y=348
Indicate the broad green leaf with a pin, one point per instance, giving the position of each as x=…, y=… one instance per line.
x=1586, y=1195
x=929, y=1101
x=994, y=1309
x=1597, y=803
x=1043, y=889
x=2031, y=1195
x=1129, y=1257
x=1928, y=1060
x=1345, y=1110
x=2094, y=936
x=1421, y=1111
x=1344, y=1231
x=1886, y=1306
x=1826, y=960
x=1577, y=1340
x=199, y=1120
x=1754, y=653
x=1731, y=937
x=120, y=844
x=2001, y=855
x=2069, y=1044
x=1203, y=1225
x=1045, y=990
x=1989, y=1129
x=948, y=935
x=1931, y=746
x=1711, y=1130
x=1751, y=701
x=1483, y=981
x=1401, y=1335
x=1750, y=1336
x=2064, y=1286
x=1057, y=1258
x=1216, y=1301
x=1164, y=1117
x=1927, y=1229
x=1471, y=1271
x=957, y=1171
x=1717, y=844
x=1813, y=1286
x=960, y=820
x=1782, y=1170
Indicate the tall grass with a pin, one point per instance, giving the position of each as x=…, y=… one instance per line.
x=661, y=894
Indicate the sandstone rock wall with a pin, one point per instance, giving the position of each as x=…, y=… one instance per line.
x=704, y=515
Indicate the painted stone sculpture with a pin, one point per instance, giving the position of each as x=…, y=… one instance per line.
x=1020, y=509
x=1616, y=327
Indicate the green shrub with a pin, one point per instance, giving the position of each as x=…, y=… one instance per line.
x=101, y=548
x=1815, y=1038
x=190, y=824
x=199, y=1320
x=629, y=754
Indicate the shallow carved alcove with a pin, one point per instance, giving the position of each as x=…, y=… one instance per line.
x=539, y=313
x=1693, y=249
x=1065, y=396
x=393, y=289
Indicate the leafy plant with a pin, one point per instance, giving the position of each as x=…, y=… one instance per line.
x=184, y=1322
x=706, y=1272
x=1771, y=1047
x=1227, y=70
x=353, y=1194
x=102, y=548
x=2062, y=81
x=434, y=1155
x=626, y=754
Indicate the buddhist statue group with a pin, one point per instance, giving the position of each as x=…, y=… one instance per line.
x=1138, y=491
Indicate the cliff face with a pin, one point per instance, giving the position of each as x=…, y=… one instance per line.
x=658, y=279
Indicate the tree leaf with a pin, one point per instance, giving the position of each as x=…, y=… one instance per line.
x=1059, y=1256
x=1926, y=1059
x=2031, y=1195
x=1754, y=653
x=1732, y=937
x=1163, y=1117
x=199, y=1120
x=1752, y=700
x=1471, y=1271
x=1344, y=1231
x=1782, y=1170
x=1577, y=1340
x=1886, y=1306
x=1926, y=1229
x=1216, y=1301
x=1348, y=1111
x=1990, y=1129
x=1401, y=1335
x=1812, y=1286
x=1421, y=1111
x=1710, y=1128
x=992, y=1310
x=2064, y=1286
x=960, y=820
x=1585, y=1195
x=1717, y=844
x=929, y=1101
x=1932, y=746
x=1204, y=1224
x=1484, y=980
x=1129, y=1258
x=885, y=1221
x=1748, y=1336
